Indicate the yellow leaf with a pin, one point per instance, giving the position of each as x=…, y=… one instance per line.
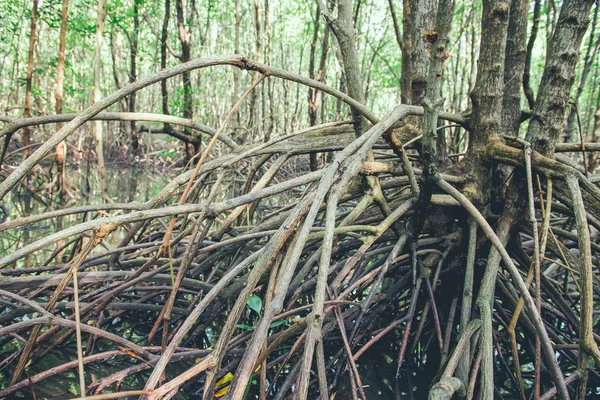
x=222, y=392
x=223, y=381
x=226, y=379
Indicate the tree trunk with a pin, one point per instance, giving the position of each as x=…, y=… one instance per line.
x=527, y=73
x=28, y=80
x=423, y=19
x=97, y=126
x=185, y=38
x=254, y=121
x=314, y=95
x=588, y=60
x=269, y=83
x=61, y=148
x=236, y=71
x=343, y=28
x=163, y=59
x=135, y=141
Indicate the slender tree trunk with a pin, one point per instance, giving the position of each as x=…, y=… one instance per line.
x=407, y=28
x=399, y=40
x=270, y=82
x=254, y=121
x=163, y=59
x=97, y=126
x=61, y=148
x=397, y=32
x=597, y=124
x=28, y=82
x=135, y=141
x=60, y=151
x=15, y=90
x=236, y=71
x=185, y=38
x=123, y=103
x=593, y=106
x=343, y=28
x=527, y=74
x=314, y=96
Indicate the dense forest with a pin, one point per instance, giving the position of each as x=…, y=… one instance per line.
x=309, y=199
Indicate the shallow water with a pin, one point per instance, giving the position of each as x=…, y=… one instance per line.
x=123, y=185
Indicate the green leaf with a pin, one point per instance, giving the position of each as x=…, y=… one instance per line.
x=255, y=303
x=245, y=327
x=278, y=323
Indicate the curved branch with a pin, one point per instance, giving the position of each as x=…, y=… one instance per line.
x=157, y=213
x=84, y=327
x=19, y=123
x=235, y=60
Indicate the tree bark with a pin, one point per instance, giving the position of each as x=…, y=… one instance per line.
x=97, y=126
x=343, y=28
x=486, y=123
x=514, y=66
x=423, y=14
x=407, y=28
x=135, y=142
x=588, y=61
x=269, y=83
x=61, y=148
x=28, y=80
x=185, y=38
x=236, y=72
x=558, y=77
x=163, y=58
x=547, y=121
x=314, y=95
x=527, y=73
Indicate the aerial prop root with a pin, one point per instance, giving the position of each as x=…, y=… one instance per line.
x=547, y=348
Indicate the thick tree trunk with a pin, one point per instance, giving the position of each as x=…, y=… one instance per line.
x=423, y=14
x=486, y=123
x=559, y=74
x=546, y=126
x=514, y=67
x=572, y=131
